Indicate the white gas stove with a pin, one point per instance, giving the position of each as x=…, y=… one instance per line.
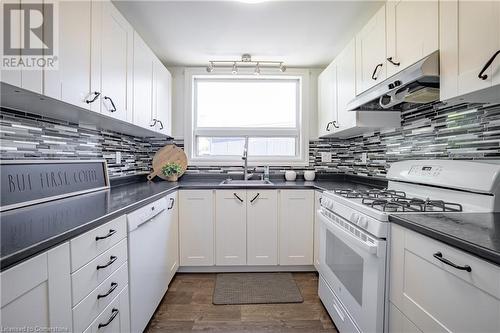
x=354, y=228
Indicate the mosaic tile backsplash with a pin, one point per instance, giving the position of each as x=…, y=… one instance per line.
x=434, y=132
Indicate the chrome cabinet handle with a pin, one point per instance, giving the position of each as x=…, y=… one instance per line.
x=96, y=94
x=172, y=200
x=114, y=313
x=481, y=74
x=439, y=256
x=112, y=259
x=112, y=104
x=375, y=71
x=255, y=198
x=237, y=197
x=114, y=285
x=110, y=233
x=393, y=62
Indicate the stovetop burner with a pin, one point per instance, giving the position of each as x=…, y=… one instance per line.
x=396, y=201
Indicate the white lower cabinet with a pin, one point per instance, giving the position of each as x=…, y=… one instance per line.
x=114, y=318
x=196, y=227
x=296, y=216
x=399, y=323
x=37, y=292
x=262, y=227
x=230, y=227
x=434, y=295
x=317, y=205
x=172, y=234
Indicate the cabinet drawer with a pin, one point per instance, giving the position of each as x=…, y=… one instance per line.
x=115, y=317
x=436, y=296
x=89, y=245
x=92, y=305
x=88, y=277
x=146, y=213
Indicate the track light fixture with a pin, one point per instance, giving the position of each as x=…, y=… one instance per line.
x=245, y=62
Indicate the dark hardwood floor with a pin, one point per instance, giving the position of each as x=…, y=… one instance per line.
x=188, y=307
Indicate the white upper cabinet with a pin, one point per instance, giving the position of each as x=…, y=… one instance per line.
x=469, y=39
x=162, y=98
x=112, y=38
x=412, y=32
x=327, y=100
x=71, y=82
x=230, y=227
x=262, y=227
x=346, y=85
x=29, y=79
x=143, y=84
x=371, y=53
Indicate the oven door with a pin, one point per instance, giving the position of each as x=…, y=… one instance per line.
x=352, y=262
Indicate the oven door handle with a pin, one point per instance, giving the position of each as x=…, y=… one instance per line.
x=343, y=234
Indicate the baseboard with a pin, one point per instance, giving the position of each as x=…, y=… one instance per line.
x=244, y=269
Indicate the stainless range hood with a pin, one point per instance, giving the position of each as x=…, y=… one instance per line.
x=414, y=86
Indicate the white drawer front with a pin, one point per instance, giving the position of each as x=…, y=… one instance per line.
x=146, y=213
x=89, y=245
x=88, y=277
x=437, y=297
x=115, y=317
x=92, y=305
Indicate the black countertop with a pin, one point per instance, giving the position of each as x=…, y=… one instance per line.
x=475, y=233
x=28, y=231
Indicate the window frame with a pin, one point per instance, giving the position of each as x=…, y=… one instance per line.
x=300, y=132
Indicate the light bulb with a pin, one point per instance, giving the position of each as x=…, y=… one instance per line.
x=210, y=67
x=257, y=69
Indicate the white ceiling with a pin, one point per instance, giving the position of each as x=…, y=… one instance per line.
x=301, y=33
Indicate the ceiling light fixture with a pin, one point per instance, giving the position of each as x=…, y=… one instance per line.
x=257, y=69
x=210, y=67
x=245, y=62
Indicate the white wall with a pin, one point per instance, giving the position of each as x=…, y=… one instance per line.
x=178, y=102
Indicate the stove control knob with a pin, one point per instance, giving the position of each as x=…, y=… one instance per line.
x=354, y=218
x=363, y=222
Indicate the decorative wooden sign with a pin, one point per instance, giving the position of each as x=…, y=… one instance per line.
x=26, y=183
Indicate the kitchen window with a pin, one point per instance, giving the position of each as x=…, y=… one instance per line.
x=228, y=109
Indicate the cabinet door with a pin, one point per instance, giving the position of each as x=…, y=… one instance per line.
x=327, y=100
x=262, y=227
x=317, y=205
x=230, y=227
x=173, y=234
x=29, y=79
x=37, y=292
x=469, y=36
x=12, y=76
x=196, y=227
x=162, y=98
x=406, y=44
x=422, y=287
x=143, y=84
x=296, y=227
x=116, y=63
x=346, y=85
x=371, y=53
x=71, y=82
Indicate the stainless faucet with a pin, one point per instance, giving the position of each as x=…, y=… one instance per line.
x=245, y=158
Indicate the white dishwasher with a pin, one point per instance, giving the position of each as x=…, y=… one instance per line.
x=147, y=255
